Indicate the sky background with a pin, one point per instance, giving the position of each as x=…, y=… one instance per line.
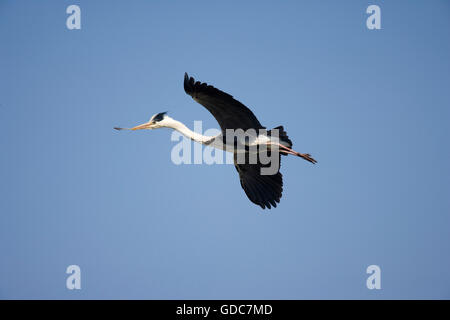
x=372, y=106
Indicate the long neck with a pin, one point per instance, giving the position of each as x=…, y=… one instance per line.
x=180, y=127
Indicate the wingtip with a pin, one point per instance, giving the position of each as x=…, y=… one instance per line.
x=188, y=83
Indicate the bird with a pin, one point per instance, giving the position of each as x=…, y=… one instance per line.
x=264, y=190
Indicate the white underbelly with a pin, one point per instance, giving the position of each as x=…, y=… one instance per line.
x=251, y=144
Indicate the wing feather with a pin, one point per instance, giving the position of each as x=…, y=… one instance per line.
x=229, y=113
x=263, y=190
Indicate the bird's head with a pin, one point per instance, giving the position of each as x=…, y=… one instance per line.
x=158, y=120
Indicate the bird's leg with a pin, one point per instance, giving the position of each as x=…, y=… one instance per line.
x=305, y=156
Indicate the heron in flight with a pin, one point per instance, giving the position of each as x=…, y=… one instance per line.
x=263, y=190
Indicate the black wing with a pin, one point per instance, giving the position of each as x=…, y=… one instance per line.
x=263, y=190
x=229, y=113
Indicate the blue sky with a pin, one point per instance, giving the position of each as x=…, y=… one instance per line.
x=372, y=106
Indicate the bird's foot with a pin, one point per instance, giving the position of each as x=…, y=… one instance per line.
x=307, y=157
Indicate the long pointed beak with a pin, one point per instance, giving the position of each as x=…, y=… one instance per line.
x=139, y=127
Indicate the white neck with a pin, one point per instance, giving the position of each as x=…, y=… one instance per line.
x=180, y=127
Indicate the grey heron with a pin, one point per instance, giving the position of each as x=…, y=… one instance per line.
x=263, y=190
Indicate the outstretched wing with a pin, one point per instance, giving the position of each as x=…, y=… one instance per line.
x=263, y=190
x=229, y=113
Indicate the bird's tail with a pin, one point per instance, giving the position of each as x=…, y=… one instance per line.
x=286, y=145
x=282, y=135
